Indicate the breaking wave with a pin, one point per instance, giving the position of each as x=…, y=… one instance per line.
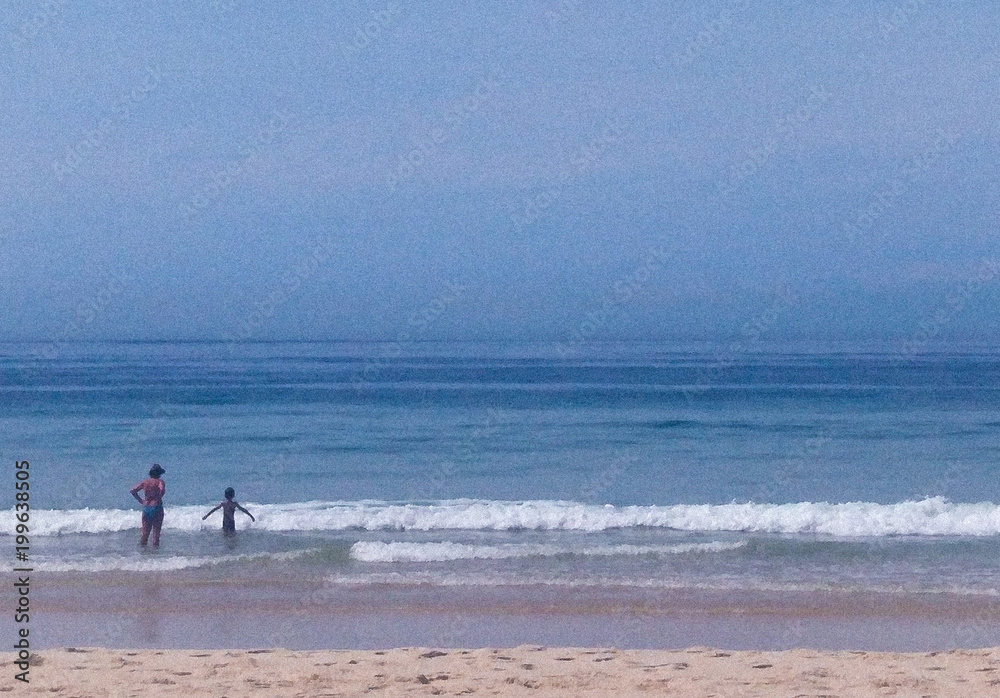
x=928, y=517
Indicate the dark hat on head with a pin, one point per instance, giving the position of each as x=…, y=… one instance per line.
x=156, y=471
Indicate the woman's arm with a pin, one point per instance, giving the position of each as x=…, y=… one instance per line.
x=135, y=491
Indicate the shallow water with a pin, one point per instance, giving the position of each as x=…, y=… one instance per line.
x=651, y=468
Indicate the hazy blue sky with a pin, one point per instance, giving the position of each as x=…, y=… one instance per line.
x=563, y=170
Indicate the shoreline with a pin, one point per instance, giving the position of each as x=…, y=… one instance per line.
x=145, y=612
x=231, y=628
x=552, y=671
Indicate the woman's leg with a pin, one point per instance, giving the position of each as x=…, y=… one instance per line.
x=157, y=523
x=144, y=536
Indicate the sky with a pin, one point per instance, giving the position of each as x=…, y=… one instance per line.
x=566, y=170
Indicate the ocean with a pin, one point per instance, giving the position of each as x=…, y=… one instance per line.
x=511, y=476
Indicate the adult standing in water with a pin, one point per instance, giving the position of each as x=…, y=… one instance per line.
x=153, y=489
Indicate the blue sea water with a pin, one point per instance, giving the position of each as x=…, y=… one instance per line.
x=642, y=465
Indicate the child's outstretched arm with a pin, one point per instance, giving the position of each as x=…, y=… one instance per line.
x=217, y=507
x=246, y=512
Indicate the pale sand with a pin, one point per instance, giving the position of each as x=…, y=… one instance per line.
x=506, y=672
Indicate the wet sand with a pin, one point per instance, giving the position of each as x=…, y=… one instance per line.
x=176, y=611
x=859, y=641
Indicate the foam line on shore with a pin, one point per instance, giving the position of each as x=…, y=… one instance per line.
x=445, y=578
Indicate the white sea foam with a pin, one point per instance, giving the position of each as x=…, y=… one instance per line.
x=398, y=551
x=928, y=517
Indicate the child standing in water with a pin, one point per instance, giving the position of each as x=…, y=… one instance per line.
x=229, y=508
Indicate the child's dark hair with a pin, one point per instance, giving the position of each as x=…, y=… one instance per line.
x=230, y=492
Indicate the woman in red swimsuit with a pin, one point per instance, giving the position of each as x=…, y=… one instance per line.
x=153, y=489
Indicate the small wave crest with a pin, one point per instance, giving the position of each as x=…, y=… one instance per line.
x=150, y=563
x=394, y=551
x=928, y=517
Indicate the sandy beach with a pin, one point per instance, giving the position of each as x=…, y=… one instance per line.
x=524, y=670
